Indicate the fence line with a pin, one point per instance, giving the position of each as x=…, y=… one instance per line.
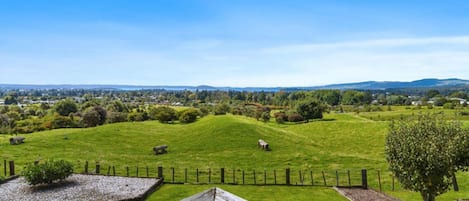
x=287, y=177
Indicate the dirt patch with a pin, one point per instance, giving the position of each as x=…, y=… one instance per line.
x=80, y=188
x=360, y=194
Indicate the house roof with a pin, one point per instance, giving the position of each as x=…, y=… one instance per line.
x=214, y=194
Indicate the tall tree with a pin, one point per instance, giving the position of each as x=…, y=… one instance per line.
x=65, y=107
x=424, y=154
x=310, y=109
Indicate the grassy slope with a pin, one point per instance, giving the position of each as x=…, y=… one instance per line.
x=344, y=142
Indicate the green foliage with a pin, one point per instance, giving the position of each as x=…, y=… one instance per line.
x=424, y=154
x=265, y=116
x=164, y=114
x=10, y=100
x=222, y=109
x=115, y=117
x=356, y=98
x=65, y=107
x=432, y=93
x=295, y=117
x=137, y=116
x=188, y=115
x=448, y=105
x=47, y=172
x=310, y=109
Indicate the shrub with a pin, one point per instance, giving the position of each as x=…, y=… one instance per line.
x=281, y=115
x=279, y=120
x=448, y=106
x=295, y=117
x=114, y=117
x=47, y=172
x=265, y=116
x=222, y=109
x=188, y=115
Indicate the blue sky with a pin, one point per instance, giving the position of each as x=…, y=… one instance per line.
x=231, y=42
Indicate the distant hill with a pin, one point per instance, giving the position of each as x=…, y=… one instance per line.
x=369, y=85
x=374, y=85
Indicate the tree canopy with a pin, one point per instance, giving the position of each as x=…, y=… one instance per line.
x=425, y=153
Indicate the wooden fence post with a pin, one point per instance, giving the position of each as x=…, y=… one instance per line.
x=127, y=169
x=113, y=170
x=172, y=172
x=222, y=175
x=109, y=170
x=160, y=172
x=301, y=177
x=148, y=174
x=455, y=183
x=379, y=182
x=185, y=175
x=5, y=167
x=392, y=182
x=137, y=172
x=197, y=173
x=12, y=168
x=209, y=175
x=337, y=178
x=234, y=176
x=349, y=181
x=324, y=178
x=287, y=176
x=311, y=175
x=243, y=177
x=275, y=177
x=364, y=179
x=98, y=166
x=86, y=167
x=254, y=176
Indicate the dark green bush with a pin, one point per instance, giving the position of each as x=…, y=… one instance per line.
x=47, y=172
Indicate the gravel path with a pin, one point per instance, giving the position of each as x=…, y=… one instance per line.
x=78, y=188
x=359, y=194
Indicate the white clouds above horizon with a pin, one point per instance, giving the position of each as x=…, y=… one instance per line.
x=223, y=63
x=225, y=43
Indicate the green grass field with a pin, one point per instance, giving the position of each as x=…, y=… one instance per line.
x=340, y=142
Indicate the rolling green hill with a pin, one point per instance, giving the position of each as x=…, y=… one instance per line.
x=340, y=142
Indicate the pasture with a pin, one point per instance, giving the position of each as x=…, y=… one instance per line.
x=339, y=142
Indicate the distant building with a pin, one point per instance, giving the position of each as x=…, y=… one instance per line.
x=2, y=102
x=459, y=100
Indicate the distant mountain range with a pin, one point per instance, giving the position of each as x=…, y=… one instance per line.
x=370, y=85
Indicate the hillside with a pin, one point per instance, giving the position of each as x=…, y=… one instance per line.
x=214, y=141
x=339, y=142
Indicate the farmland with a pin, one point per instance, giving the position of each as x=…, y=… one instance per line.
x=342, y=142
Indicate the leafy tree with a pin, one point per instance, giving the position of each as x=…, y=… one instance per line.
x=432, y=93
x=65, y=107
x=222, y=109
x=188, y=115
x=265, y=116
x=91, y=118
x=102, y=114
x=352, y=97
x=114, y=117
x=10, y=100
x=310, y=109
x=295, y=117
x=424, y=154
x=165, y=114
